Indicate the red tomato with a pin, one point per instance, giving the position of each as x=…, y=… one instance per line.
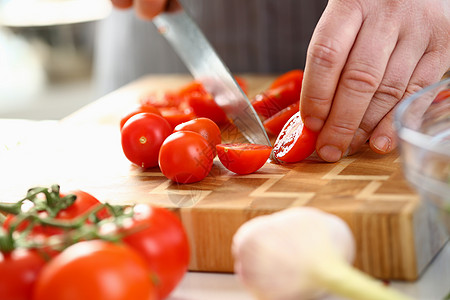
x=295, y=76
x=159, y=237
x=176, y=116
x=243, y=158
x=204, y=105
x=142, y=136
x=95, y=270
x=242, y=83
x=275, y=123
x=442, y=96
x=191, y=88
x=82, y=204
x=185, y=157
x=295, y=142
x=19, y=271
x=141, y=109
x=206, y=128
x=273, y=100
x=170, y=99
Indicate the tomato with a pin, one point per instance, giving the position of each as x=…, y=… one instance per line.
x=204, y=105
x=19, y=270
x=185, y=157
x=142, y=136
x=275, y=123
x=176, y=116
x=82, y=204
x=295, y=76
x=442, y=96
x=95, y=270
x=295, y=142
x=206, y=128
x=159, y=237
x=242, y=83
x=140, y=109
x=243, y=158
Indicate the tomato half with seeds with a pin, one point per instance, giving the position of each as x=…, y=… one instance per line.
x=295, y=142
x=19, y=270
x=243, y=158
x=93, y=270
x=158, y=235
x=185, y=157
x=142, y=137
x=206, y=128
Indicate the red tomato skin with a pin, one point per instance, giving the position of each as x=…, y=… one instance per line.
x=142, y=136
x=242, y=84
x=295, y=76
x=97, y=270
x=177, y=116
x=206, y=128
x=204, y=106
x=243, y=158
x=275, y=123
x=273, y=100
x=19, y=271
x=185, y=157
x=140, y=109
x=163, y=244
x=295, y=142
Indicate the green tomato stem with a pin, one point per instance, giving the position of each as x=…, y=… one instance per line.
x=340, y=278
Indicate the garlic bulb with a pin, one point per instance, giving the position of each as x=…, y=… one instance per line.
x=301, y=253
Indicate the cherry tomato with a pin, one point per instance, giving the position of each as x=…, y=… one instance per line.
x=243, y=158
x=176, y=116
x=204, y=105
x=206, y=128
x=142, y=136
x=19, y=271
x=273, y=100
x=140, y=109
x=95, y=270
x=242, y=83
x=295, y=142
x=159, y=237
x=295, y=76
x=82, y=204
x=442, y=96
x=185, y=157
x=275, y=123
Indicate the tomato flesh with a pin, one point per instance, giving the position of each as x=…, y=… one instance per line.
x=243, y=158
x=295, y=142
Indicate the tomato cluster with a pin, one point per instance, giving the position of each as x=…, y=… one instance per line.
x=72, y=246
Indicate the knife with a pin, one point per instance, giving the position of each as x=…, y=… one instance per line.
x=207, y=67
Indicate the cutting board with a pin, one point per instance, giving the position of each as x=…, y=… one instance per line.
x=396, y=235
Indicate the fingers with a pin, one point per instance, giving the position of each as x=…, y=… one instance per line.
x=148, y=9
x=331, y=42
x=122, y=3
x=360, y=79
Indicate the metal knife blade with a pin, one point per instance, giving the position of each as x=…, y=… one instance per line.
x=206, y=66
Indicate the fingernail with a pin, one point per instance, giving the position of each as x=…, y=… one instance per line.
x=312, y=123
x=330, y=153
x=382, y=143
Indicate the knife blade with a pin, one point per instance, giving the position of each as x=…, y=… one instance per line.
x=206, y=66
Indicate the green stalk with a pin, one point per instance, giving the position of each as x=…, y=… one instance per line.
x=340, y=278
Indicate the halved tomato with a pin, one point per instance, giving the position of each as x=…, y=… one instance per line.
x=295, y=142
x=295, y=76
x=243, y=158
x=275, y=123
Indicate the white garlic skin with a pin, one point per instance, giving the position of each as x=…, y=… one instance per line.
x=277, y=256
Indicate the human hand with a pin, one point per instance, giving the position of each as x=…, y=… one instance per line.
x=364, y=57
x=147, y=9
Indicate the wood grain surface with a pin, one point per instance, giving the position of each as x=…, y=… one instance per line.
x=396, y=235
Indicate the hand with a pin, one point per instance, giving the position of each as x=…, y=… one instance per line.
x=364, y=57
x=147, y=9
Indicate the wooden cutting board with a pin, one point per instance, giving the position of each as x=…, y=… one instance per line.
x=396, y=235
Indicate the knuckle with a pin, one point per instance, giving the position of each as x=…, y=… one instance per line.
x=389, y=93
x=325, y=55
x=362, y=79
x=343, y=128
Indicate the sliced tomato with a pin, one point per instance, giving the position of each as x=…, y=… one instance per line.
x=275, y=123
x=176, y=116
x=204, y=106
x=295, y=142
x=243, y=158
x=295, y=76
x=273, y=100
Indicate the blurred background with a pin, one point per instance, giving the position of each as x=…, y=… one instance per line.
x=46, y=52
